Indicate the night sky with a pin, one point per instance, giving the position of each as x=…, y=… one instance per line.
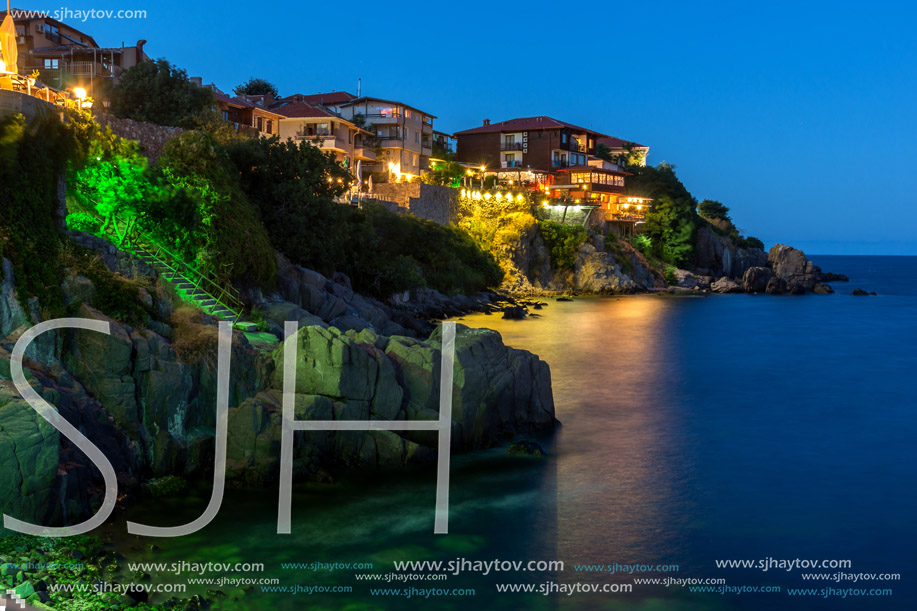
x=801, y=118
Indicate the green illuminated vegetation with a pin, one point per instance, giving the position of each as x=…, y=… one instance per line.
x=563, y=242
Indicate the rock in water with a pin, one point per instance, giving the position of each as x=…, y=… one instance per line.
x=756, y=279
x=514, y=312
x=861, y=293
x=823, y=289
x=775, y=286
x=790, y=264
x=726, y=285
x=526, y=448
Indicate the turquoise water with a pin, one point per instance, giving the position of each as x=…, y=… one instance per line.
x=694, y=429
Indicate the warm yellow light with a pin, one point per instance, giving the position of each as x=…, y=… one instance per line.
x=520, y=197
x=80, y=93
x=639, y=208
x=2, y=66
x=499, y=196
x=483, y=168
x=469, y=172
x=544, y=203
x=463, y=192
x=487, y=196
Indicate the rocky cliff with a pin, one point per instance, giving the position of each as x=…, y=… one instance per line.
x=146, y=393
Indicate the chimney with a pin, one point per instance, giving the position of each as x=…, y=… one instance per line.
x=140, y=44
x=486, y=122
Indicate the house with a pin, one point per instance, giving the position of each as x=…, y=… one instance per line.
x=443, y=144
x=349, y=142
x=625, y=151
x=536, y=143
x=246, y=115
x=403, y=134
x=67, y=57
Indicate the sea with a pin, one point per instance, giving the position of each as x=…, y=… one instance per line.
x=715, y=452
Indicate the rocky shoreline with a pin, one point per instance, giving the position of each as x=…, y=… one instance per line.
x=145, y=394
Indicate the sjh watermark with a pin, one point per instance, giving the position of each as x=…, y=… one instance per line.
x=443, y=426
x=67, y=14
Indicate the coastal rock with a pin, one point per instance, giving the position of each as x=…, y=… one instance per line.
x=823, y=289
x=596, y=272
x=28, y=457
x=685, y=279
x=526, y=447
x=756, y=279
x=832, y=277
x=717, y=255
x=790, y=264
x=726, y=285
x=775, y=286
x=861, y=293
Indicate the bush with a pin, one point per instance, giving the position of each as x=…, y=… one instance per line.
x=193, y=340
x=225, y=229
x=711, y=209
x=83, y=221
x=563, y=241
x=33, y=156
x=157, y=92
x=670, y=277
x=750, y=242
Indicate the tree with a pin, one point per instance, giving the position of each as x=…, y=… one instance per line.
x=671, y=226
x=157, y=92
x=114, y=181
x=257, y=86
x=712, y=209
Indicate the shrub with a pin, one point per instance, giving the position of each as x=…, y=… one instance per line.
x=83, y=221
x=712, y=209
x=563, y=241
x=750, y=242
x=670, y=277
x=231, y=241
x=193, y=340
x=158, y=92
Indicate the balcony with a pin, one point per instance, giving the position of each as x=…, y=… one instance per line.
x=327, y=142
x=382, y=137
x=511, y=146
x=558, y=163
x=364, y=152
x=510, y=164
x=574, y=147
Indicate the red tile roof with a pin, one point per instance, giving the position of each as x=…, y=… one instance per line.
x=618, y=143
x=332, y=98
x=302, y=110
x=526, y=124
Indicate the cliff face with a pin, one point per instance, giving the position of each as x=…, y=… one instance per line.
x=717, y=255
x=146, y=394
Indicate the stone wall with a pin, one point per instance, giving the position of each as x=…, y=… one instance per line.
x=16, y=102
x=431, y=202
x=152, y=137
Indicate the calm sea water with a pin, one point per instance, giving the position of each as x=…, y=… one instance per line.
x=694, y=429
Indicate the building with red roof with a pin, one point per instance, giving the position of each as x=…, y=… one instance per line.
x=301, y=121
x=536, y=143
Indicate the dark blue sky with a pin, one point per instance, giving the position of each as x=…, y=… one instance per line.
x=799, y=116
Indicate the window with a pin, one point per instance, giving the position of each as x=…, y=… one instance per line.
x=563, y=138
x=259, y=124
x=270, y=126
x=510, y=157
x=510, y=140
x=407, y=114
x=51, y=64
x=416, y=137
x=225, y=113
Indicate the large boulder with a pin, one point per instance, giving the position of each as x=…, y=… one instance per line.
x=790, y=264
x=597, y=272
x=726, y=285
x=756, y=279
x=775, y=286
x=28, y=458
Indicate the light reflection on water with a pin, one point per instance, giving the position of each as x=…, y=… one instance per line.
x=693, y=429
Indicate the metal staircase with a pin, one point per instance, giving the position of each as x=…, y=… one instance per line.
x=220, y=300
